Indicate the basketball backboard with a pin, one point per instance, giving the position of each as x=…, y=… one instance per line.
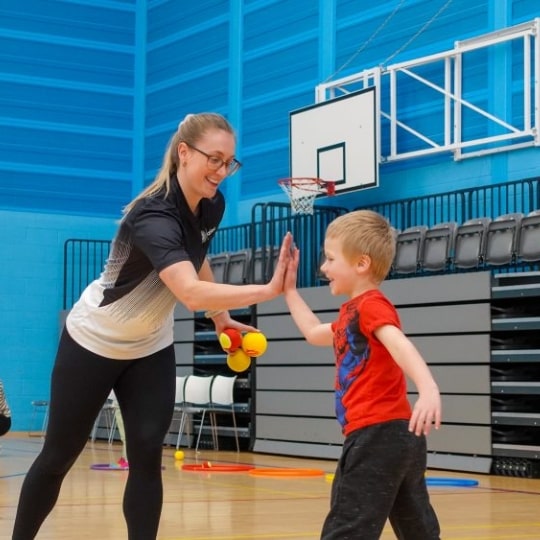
x=336, y=140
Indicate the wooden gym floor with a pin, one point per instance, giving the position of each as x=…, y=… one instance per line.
x=239, y=506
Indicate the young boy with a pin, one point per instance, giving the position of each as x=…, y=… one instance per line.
x=380, y=473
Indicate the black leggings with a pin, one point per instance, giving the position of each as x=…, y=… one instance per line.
x=81, y=382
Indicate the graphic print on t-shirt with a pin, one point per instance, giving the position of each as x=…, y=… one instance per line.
x=352, y=354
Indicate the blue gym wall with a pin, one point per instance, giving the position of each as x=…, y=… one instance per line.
x=92, y=90
x=66, y=158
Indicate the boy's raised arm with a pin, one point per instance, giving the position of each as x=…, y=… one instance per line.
x=315, y=332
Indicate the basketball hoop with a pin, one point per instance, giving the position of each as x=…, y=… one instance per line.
x=302, y=192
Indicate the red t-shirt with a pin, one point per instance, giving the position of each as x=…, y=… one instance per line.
x=370, y=387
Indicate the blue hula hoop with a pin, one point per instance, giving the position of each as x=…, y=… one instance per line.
x=453, y=482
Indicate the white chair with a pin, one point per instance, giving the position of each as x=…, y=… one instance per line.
x=222, y=401
x=196, y=401
x=39, y=405
x=107, y=413
x=178, y=406
x=115, y=411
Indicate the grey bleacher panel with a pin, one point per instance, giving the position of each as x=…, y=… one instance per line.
x=453, y=462
x=529, y=238
x=295, y=448
x=238, y=267
x=291, y=403
x=463, y=409
x=461, y=439
x=457, y=379
x=503, y=239
x=439, y=246
x=449, y=319
x=317, y=378
x=181, y=312
x=321, y=430
x=297, y=352
x=183, y=352
x=183, y=328
x=454, y=348
x=219, y=264
x=183, y=371
x=409, y=245
x=318, y=298
x=282, y=326
x=459, y=409
x=470, y=243
x=438, y=289
x=447, y=316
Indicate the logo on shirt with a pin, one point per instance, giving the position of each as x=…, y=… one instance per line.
x=206, y=235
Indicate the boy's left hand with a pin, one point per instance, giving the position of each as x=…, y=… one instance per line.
x=426, y=412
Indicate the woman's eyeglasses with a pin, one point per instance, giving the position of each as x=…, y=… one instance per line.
x=215, y=162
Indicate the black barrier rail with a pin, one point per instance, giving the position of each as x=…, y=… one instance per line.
x=84, y=259
x=83, y=262
x=459, y=206
x=229, y=239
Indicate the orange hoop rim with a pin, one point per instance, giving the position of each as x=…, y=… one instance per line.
x=285, y=472
x=208, y=467
x=309, y=183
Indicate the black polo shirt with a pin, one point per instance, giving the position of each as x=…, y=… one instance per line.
x=128, y=312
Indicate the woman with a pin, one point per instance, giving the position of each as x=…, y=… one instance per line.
x=119, y=335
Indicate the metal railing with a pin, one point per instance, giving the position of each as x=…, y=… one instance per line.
x=459, y=206
x=83, y=262
x=84, y=259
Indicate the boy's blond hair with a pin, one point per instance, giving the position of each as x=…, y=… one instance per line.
x=364, y=232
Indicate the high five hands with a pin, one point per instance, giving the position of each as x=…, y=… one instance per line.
x=280, y=269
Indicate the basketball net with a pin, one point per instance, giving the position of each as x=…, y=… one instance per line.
x=303, y=191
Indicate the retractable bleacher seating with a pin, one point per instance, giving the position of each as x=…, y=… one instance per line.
x=529, y=238
x=409, y=246
x=503, y=239
x=470, y=243
x=439, y=246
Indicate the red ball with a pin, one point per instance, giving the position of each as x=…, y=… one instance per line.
x=230, y=340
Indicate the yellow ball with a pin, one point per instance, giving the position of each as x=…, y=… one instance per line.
x=254, y=344
x=179, y=455
x=238, y=361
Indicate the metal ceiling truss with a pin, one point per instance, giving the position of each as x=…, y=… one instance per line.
x=502, y=123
